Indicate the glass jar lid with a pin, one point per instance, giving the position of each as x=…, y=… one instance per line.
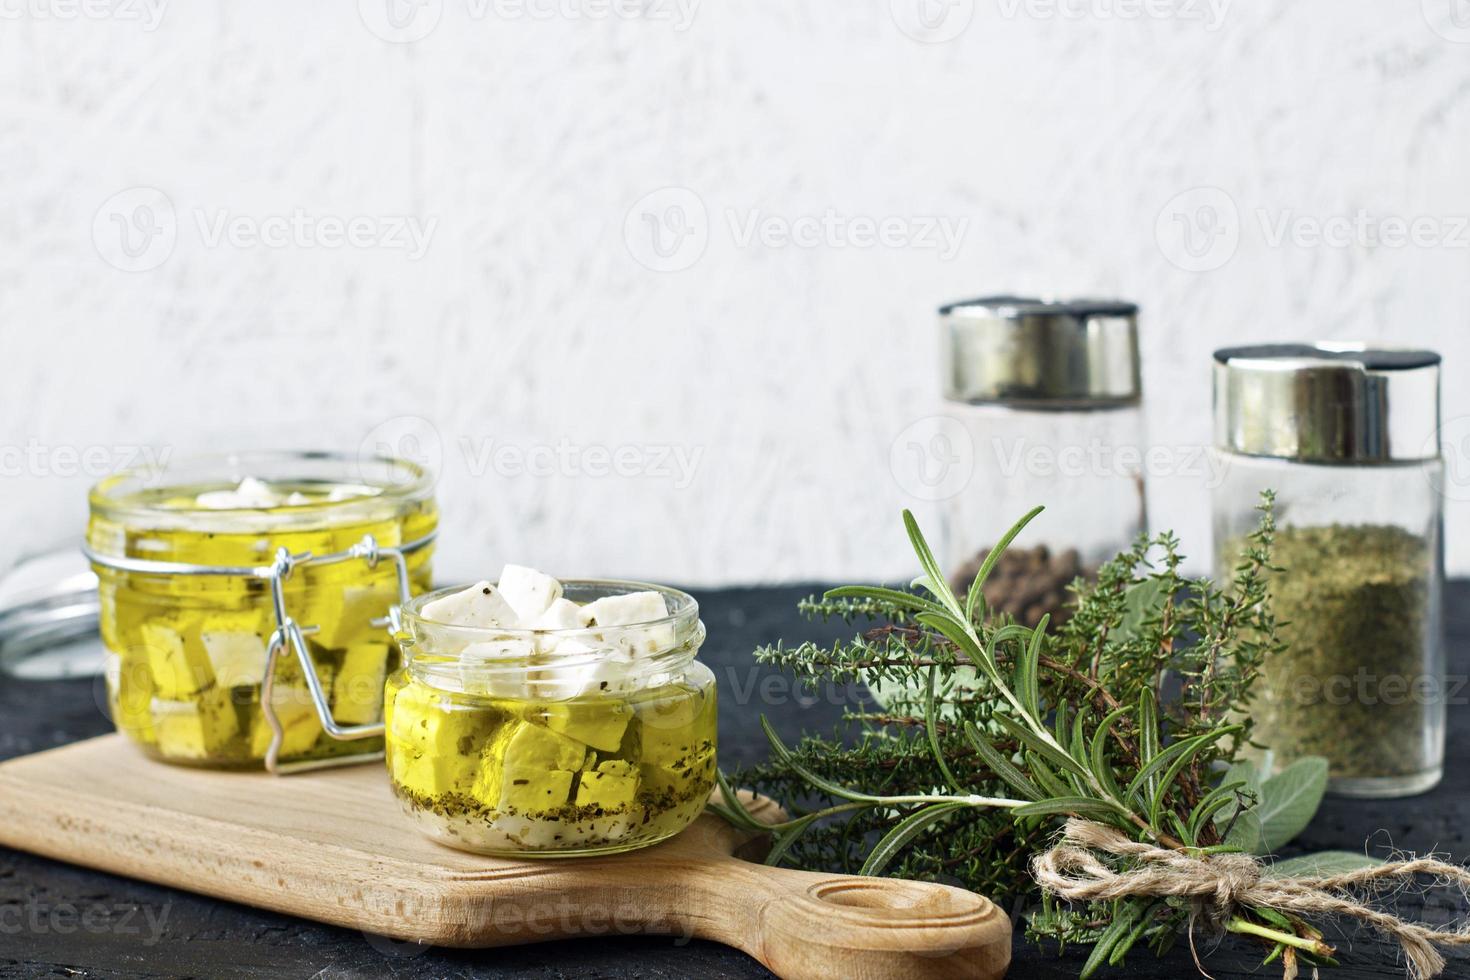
x=1040, y=353
x=1336, y=403
x=48, y=618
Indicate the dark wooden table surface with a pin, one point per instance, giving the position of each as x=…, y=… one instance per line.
x=59, y=920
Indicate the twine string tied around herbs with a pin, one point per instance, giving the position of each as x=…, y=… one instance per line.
x=1219, y=885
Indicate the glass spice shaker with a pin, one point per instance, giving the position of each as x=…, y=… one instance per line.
x=1049, y=395
x=1347, y=437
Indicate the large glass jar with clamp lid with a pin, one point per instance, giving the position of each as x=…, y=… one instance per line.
x=247, y=602
x=1047, y=397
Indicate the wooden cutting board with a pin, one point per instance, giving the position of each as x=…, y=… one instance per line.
x=334, y=846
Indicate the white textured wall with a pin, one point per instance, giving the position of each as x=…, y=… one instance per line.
x=1053, y=139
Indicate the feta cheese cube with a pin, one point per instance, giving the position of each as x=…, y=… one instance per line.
x=493, y=668
x=194, y=729
x=250, y=493
x=428, y=776
x=257, y=492
x=180, y=669
x=531, y=746
x=481, y=605
x=573, y=668
x=529, y=592
x=609, y=829
x=612, y=674
x=343, y=615
x=562, y=614
x=131, y=686
x=536, y=833
x=425, y=721
x=671, y=783
x=357, y=692
x=531, y=790
x=598, y=723
x=644, y=642
x=613, y=786
x=527, y=767
x=348, y=492
x=629, y=610
x=626, y=610
x=217, y=500
x=295, y=710
x=236, y=656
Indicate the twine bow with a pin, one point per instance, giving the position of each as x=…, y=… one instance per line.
x=1219, y=885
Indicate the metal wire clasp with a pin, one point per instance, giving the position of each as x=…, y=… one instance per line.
x=289, y=632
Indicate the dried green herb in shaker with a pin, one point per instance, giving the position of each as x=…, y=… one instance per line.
x=1351, y=683
x=1343, y=436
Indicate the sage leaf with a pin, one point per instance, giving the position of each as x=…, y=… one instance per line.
x=1289, y=801
x=1321, y=863
x=1142, y=603
x=1245, y=832
x=1247, y=778
x=1244, y=772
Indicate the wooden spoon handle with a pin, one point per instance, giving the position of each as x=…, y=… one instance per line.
x=811, y=926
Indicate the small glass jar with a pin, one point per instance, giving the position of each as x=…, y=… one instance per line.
x=1049, y=397
x=1348, y=439
x=501, y=741
x=212, y=614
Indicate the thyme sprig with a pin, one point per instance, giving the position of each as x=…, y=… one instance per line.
x=991, y=734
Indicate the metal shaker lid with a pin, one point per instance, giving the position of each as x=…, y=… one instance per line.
x=1038, y=353
x=1327, y=403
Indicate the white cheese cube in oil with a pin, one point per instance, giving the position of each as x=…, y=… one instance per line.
x=628, y=611
x=493, y=668
x=237, y=657
x=481, y=605
x=357, y=691
x=194, y=729
x=562, y=614
x=180, y=668
x=528, y=591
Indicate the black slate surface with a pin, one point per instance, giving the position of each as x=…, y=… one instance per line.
x=59, y=920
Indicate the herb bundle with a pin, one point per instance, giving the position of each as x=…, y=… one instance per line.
x=1126, y=723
